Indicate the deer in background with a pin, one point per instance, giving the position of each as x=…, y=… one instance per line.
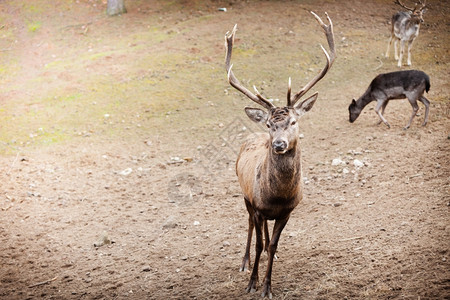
x=269, y=165
x=405, y=28
x=409, y=84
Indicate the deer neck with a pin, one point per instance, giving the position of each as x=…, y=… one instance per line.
x=364, y=99
x=283, y=172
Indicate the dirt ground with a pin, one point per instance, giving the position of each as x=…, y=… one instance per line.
x=118, y=138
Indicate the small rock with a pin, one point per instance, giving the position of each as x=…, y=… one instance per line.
x=337, y=204
x=170, y=223
x=226, y=244
x=104, y=240
x=196, y=223
x=357, y=163
x=337, y=161
x=146, y=269
x=126, y=172
x=345, y=171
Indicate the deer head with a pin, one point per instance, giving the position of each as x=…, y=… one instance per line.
x=417, y=11
x=281, y=121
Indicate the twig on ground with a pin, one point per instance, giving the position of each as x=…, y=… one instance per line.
x=43, y=282
x=12, y=165
x=352, y=238
x=381, y=64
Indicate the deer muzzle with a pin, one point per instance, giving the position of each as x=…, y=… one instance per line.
x=279, y=146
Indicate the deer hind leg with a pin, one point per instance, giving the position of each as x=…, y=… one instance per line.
x=246, y=260
x=425, y=102
x=277, y=229
x=396, y=49
x=380, y=104
x=402, y=49
x=266, y=236
x=410, y=43
x=414, y=111
x=259, y=223
x=389, y=46
x=383, y=107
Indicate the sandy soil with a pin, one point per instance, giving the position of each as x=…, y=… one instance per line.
x=119, y=137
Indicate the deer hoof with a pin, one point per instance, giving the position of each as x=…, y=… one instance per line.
x=251, y=288
x=267, y=291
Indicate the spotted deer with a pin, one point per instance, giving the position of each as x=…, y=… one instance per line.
x=405, y=28
x=269, y=165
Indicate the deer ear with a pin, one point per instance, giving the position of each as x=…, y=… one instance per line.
x=256, y=115
x=304, y=106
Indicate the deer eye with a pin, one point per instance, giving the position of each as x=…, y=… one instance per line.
x=293, y=122
x=267, y=124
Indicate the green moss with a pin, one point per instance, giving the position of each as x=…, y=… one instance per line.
x=34, y=26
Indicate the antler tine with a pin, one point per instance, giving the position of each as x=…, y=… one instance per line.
x=234, y=82
x=289, y=93
x=424, y=4
x=328, y=29
x=402, y=5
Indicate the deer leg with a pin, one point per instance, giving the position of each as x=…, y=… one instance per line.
x=277, y=229
x=259, y=223
x=266, y=236
x=427, y=108
x=251, y=225
x=389, y=46
x=380, y=104
x=402, y=49
x=409, y=52
x=383, y=107
x=414, y=112
x=395, y=49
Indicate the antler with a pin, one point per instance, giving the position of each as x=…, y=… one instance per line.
x=402, y=5
x=229, y=40
x=328, y=29
x=424, y=4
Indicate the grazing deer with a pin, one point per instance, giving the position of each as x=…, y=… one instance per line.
x=269, y=164
x=405, y=28
x=409, y=84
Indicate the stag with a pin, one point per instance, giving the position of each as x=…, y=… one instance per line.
x=405, y=28
x=269, y=164
x=409, y=84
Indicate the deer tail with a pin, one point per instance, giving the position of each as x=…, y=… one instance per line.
x=427, y=84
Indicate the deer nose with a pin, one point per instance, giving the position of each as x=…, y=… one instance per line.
x=279, y=145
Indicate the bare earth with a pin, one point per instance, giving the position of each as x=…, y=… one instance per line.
x=118, y=138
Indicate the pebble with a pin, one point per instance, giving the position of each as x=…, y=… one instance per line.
x=170, y=223
x=146, y=269
x=337, y=161
x=126, y=172
x=357, y=163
